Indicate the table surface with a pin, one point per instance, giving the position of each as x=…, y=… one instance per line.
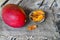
x=46, y=30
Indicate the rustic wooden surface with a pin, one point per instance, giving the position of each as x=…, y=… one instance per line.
x=46, y=30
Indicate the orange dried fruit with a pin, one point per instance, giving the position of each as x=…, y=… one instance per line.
x=38, y=15
x=32, y=27
x=40, y=11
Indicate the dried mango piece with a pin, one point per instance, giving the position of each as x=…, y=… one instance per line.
x=34, y=12
x=32, y=27
x=38, y=15
x=41, y=17
x=40, y=12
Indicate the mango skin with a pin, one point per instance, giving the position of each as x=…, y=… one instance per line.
x=13, y=15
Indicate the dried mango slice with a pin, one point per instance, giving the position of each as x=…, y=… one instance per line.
x=40, y=11
x=38, y=15
x=32, y=27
